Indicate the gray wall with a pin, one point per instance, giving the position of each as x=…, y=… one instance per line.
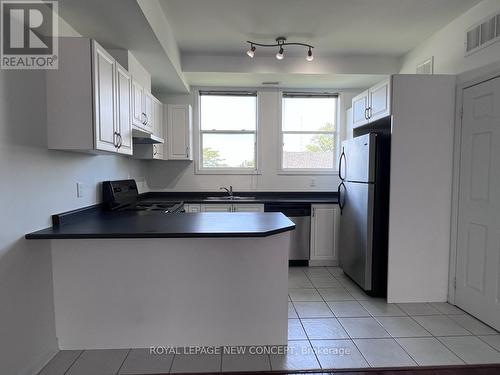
x=35, y=183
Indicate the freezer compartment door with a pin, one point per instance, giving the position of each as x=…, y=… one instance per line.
x=358, y=159
x=356, y=232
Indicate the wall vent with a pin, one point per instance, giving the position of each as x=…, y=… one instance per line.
x=426, y=67
x=482, y=34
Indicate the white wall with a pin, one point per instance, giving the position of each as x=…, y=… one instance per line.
x=35, y=183
x=447, y=45
x=180, y=175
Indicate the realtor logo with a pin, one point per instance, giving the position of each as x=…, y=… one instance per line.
x=29, y=35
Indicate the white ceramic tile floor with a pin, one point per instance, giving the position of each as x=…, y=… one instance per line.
x=332, y=324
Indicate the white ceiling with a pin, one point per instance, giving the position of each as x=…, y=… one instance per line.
x=382, y=27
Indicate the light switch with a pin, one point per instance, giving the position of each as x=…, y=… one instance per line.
x=79, y=190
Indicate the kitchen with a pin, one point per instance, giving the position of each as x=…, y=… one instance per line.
x=144, y=139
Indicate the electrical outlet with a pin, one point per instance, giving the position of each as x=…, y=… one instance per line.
x=79, y=190
x=312, y=182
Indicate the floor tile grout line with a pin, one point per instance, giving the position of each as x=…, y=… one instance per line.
x=450, y=349
x=72, y=363
x=124, y=359
x=171, y=364
x=487, y=343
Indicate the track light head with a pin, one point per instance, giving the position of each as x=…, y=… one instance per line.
x=280, y=54
x=251, y=51
x=310, y=56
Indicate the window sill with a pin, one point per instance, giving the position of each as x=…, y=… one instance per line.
x=227, y=172
x=309, y=172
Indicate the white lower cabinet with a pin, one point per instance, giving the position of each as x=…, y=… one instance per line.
x=226, y=207
x=192, y=207
x=216, y=207
x=248, y=207
x=324, y=234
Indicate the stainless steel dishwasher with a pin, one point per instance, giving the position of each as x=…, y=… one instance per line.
x=300, y=214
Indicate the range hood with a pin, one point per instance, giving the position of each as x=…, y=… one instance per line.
x=142, y=137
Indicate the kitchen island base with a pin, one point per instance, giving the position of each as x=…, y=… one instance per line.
x=173, y=292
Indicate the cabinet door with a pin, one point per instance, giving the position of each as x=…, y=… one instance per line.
x=359, y=109
x=104, y=99
x=246, y=207
x=123, y=110
x=138, y=117
x=379, y=100
x=179, y=132
x=158, y=118
x=148, y=111
x=324, y=232
x=216, y=208
x=192, y=207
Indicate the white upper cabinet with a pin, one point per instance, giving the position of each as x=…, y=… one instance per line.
x=372, y=104
x=380, y=100
x=148, y=112
x=360, y=109
x=138, y=116
x=123, y=110
x=324, y=233
x=88, y=100
x=106, y=136
x=179, y=132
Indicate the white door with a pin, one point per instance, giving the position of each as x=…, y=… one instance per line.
x=379, y=100
x=178, y=136
x=324, y=227
x=216, y=208
x=104, y=100
x=359, y=110
x=478, y=245
x=245, y=207
x=123, y=110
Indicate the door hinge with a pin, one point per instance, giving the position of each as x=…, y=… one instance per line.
x=461, y=112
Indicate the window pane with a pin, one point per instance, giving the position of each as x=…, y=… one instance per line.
x=228, y=112
x=228, y=151
x=309, y=114
x=309, y=151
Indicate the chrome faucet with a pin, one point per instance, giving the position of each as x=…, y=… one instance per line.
x=228, y=191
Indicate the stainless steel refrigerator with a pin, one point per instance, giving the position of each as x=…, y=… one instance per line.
x=364, y=202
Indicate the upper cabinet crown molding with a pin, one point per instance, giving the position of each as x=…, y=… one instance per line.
x=88, y=100
x=372, y=104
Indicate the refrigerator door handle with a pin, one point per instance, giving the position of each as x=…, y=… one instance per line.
x=342, y=156
x=341, y=197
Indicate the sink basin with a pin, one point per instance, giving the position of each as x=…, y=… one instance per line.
x=229, y=198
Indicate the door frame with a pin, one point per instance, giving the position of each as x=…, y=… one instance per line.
x=464, y=81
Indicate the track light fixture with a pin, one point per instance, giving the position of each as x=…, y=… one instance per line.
x=280, y=42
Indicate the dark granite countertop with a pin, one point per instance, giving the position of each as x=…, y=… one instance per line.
x=95, y=222
x=256, y=197
x=147, y=224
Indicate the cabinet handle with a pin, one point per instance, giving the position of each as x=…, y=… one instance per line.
x=369, y=112
x=313, y=212
x=143, y=120
x=366, y=113
x=115, y=139
x=187, y=152
x=120, y=140
x=147, y=119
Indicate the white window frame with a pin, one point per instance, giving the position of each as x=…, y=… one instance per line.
x=307, y=171
x=199, y=169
